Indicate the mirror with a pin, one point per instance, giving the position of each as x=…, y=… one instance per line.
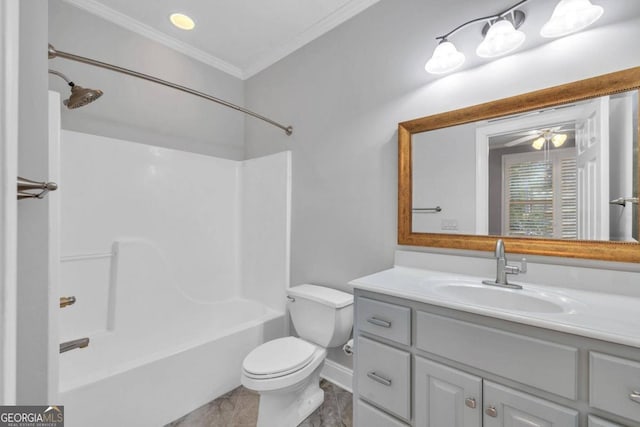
x=553, y=172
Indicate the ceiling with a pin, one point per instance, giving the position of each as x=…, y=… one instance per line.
x=243, y=37
x=240, y=37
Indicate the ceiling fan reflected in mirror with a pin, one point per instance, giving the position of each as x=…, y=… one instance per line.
x=557, y=139
x=556, y=135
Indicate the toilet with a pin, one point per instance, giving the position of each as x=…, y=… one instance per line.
x=286, y=371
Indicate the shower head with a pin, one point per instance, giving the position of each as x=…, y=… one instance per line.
x=80, y=96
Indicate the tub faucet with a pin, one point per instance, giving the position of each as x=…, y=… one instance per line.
x=503, y=268
x=71, y=345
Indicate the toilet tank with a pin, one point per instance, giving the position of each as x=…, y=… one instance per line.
x=321, y=315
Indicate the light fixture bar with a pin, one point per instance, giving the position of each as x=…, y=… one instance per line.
x=501, y=34
x=483, y=19
x=516, y=17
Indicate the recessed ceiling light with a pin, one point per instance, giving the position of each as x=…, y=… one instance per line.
x=182, y=21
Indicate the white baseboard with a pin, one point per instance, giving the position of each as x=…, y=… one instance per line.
x=338, y=374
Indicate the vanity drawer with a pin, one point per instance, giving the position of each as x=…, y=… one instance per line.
x=548, y=366
x=383, y=376
x=385, y=320
x=614, y=385
x=368, y=416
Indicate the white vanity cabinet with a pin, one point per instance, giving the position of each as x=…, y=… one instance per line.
x=449, y=397
x=423, y=365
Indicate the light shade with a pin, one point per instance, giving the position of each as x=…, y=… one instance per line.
x=501, y=39
x=538, y=143
x=558, y=139
x=570, y=16
x=182, y=21
x=445, y=58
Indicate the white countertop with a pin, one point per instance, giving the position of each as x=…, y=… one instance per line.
x=596, y=315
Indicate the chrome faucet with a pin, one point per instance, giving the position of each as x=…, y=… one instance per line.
x=503, y=268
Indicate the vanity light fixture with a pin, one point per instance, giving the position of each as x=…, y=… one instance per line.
x=446, y=58
x=501, y=34
x=571, y=16
x=182, y=21
x=502, y=38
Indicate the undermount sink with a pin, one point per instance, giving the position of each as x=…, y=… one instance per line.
x=523, y=300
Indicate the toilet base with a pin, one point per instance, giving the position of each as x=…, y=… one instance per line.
x=289, y=407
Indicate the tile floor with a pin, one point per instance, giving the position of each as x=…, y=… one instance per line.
x=239, y=408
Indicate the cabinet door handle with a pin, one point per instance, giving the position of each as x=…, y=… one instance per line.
x=635, y=396
x=379, y=322
x=491, y=411
x=470, y=402
x=379, y=379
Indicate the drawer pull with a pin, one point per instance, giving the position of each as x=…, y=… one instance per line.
x=379, y=322
x=635, y=396
x=470, y=402
x=491, y=411
x=379, y=379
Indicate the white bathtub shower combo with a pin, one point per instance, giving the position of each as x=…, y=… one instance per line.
x=179, y=263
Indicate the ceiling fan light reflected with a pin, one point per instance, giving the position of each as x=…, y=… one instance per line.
x=501, y=39
x=445, y=58
x=571, y=16
x=558, y=139
x=538, y=143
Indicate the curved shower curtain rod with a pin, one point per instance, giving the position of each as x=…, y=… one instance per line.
x=53, y=53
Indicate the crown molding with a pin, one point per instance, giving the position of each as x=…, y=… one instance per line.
x=323, y=26
x=111, y=15
x=336, y=18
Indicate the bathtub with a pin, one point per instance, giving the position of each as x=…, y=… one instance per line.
x=164, y=375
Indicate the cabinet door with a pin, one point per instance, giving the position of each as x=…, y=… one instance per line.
x=506, y=407
x=446, y=397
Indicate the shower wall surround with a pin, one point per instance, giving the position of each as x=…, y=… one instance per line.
x=161, y=200
x=187, y=212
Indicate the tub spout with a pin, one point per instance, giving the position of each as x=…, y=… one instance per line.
x=71, y=345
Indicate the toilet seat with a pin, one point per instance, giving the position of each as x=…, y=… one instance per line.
x=278, y=358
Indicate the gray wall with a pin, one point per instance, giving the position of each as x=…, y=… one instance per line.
x=444, y=175
x=33, y=382
x=137, y=110
x=345, y=93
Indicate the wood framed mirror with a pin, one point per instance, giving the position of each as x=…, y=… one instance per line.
x=579, y=210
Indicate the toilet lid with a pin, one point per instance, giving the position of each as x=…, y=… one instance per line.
x=279, y=356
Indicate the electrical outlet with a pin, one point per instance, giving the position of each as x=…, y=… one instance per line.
x=449, y=224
